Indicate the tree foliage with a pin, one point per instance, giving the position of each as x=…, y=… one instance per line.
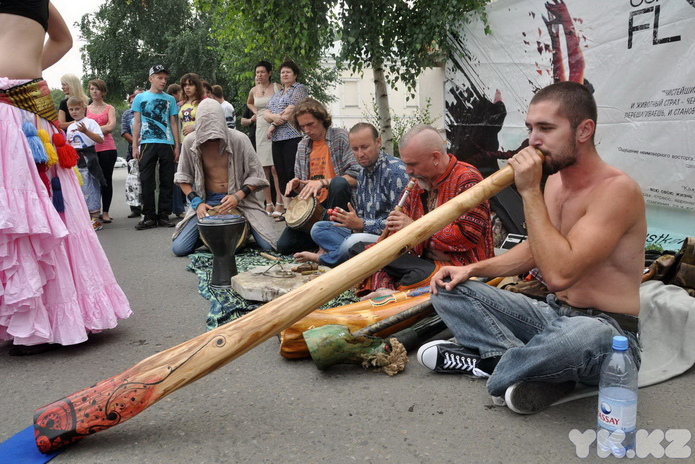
x=407, y=36
x=249, y=31
x=126, y=37
x=222, y=40
x=396, y=38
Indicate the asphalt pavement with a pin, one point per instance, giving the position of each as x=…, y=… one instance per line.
x=262, y=408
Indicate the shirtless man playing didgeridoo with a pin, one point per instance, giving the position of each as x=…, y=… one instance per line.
x=586, y=237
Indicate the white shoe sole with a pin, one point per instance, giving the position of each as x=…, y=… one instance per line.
x=427, y=354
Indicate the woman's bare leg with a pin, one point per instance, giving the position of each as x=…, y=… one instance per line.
x=266, y=191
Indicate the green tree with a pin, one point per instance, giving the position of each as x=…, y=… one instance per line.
x=126, y=37
x=248, y=31
x=401, y=124
x=57, y=96
x=398, y=39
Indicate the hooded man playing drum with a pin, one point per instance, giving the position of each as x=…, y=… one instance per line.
x=219, y=168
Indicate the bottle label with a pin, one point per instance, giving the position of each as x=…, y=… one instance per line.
x=617, y=409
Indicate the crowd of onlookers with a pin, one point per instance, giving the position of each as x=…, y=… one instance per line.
x=97, y=147
x=266, y=116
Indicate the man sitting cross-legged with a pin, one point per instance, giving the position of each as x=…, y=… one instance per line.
x=324, y=169
x=586, y=234
x=440, y=177
x=379, y=187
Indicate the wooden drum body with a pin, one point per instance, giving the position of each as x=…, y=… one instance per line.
x=303, y=214
x=222, y=234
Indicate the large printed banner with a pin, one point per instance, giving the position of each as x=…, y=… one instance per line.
x=638, y=56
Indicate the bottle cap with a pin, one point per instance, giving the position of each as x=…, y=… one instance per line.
x=620, y=343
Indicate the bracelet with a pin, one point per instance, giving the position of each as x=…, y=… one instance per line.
x=195, y=203
x=246, y=190
x=191, y=196
x=238, y=200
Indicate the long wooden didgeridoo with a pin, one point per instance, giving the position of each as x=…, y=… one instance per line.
x=125, y=395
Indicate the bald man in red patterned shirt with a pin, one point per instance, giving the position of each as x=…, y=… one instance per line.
x=440, y=177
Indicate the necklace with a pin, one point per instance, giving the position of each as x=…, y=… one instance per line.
x=266, y=88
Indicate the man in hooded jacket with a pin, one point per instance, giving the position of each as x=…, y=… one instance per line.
x=219, y=168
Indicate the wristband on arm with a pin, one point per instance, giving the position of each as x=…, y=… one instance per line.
x=246, y=189
x=196, y=202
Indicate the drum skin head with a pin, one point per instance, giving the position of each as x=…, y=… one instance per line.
x=299, y=211
x=222, y=219
x=227, y=219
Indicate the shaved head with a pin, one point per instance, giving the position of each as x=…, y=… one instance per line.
x=426, y=137
x=424, y=153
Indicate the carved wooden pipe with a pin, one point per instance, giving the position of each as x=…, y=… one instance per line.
x=125, y=395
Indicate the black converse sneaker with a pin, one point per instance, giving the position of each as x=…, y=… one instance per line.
x=530, y=397
x=447, y=357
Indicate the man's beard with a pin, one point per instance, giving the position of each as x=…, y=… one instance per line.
x=422, y=182
x=565, y=158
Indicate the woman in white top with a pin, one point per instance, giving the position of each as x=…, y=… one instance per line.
x=259, y=96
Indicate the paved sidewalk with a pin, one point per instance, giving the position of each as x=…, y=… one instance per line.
x=262, y=408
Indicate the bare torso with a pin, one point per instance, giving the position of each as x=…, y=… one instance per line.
x=216, y=168
x=612, y=283
x=24, y=61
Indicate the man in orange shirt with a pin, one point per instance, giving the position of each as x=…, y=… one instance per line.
x=325, y=168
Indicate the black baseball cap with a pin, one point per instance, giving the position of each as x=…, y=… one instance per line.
x=158, y=68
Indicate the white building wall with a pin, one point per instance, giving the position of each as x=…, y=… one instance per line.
x=354, y=98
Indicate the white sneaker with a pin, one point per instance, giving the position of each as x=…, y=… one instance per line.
x=531, y=397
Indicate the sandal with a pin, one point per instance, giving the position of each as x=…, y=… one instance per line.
x=105, y=220
x=269, y=209
x=279, y=210
x=308, y=266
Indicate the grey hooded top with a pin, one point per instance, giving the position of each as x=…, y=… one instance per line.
x=244, y=167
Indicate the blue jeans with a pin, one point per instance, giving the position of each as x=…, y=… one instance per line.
x=189, y=239
x=178, y=198
x=336, y=241
x=536, y=340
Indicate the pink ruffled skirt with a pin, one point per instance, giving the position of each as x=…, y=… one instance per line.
x=56, y=284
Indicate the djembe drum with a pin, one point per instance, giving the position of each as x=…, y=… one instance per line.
x=303, y=214
x=223, y=234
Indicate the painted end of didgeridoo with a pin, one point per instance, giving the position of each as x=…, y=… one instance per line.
x=89, y=411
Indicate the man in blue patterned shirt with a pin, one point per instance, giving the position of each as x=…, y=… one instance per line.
x=379, y=187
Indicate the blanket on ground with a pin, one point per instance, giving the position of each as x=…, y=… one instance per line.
x=226, y=304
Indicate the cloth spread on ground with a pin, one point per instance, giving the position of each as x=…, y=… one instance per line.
x=667, y=322
x=21, y=449
x=226, y=304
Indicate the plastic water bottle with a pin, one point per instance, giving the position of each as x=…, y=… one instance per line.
x=617, y=402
